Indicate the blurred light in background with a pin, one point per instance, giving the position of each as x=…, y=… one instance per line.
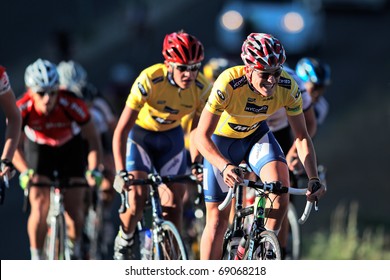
x=232, y=20
x=293, y=22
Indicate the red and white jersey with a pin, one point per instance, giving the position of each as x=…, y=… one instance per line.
x=58, y=127
x=4, y=81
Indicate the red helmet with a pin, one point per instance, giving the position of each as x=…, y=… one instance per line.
x=183, y=48
x=262, y=51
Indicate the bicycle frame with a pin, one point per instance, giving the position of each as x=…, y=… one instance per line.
x=154, y=181
x=257, y=231
x=58, y=239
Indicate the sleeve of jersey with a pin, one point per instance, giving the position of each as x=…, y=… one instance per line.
x=203, y=99
x=218, y=99
x=138, y=93
x=294, y=102
x=79, y=111
x=4, y=81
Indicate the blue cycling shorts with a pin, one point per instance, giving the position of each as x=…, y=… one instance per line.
x=257, y=149
x=156, y=151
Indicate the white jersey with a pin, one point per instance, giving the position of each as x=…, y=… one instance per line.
x=278, y=120
x=101, y=115
x=321, y=108
x=4, y=83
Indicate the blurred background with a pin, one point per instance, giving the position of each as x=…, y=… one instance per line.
x=114, y=40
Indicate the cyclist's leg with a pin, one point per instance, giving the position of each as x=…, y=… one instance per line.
x=170, y=158
x=139, y=164
x=74, y=199
x=71, y=170
x=213, y=233
x=172, y=203
x=39, y=158
x=267, y=159
x=37, y=224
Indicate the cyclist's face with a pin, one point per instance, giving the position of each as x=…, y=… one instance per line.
x=265, y=82
x=45, y=101
x=183, y=74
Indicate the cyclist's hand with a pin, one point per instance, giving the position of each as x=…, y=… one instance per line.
x=197, y=170
x=24, y=178
x=7, y=168
x=120, y=181
x=96, y=176
x=232, y=174
x=295, y=165
x=315, y=189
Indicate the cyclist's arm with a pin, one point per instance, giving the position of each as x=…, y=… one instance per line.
x=195, y=154
x=90, y=133
x=119, y=140
x=19, y=159
x=311, y=124
x=14, y=122
x=304, y=145
x=207, y=124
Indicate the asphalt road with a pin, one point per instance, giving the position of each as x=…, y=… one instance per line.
x=353, y=144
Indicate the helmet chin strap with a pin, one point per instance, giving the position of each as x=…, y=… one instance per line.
x=249, y=71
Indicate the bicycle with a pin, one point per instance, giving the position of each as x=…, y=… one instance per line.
x=96, y=244
x=56, y=241
x=167, y=242
x=293, y=249
x=194, y=222
x=259, y=243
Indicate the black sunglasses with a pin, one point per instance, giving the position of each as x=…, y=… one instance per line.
x=276, y=74
x=186, y=67
x=43, y=93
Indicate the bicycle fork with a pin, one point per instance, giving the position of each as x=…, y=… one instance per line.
x=58, y=219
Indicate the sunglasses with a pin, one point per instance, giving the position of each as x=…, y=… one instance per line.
x=185, y=67
x=43, y=93
x=266, y=75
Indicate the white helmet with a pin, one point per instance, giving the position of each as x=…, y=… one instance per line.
x=41, y=75
x=73, y=76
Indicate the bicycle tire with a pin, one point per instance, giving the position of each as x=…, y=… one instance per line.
x=267, y=247
x=57, y=241
x=228, y=253
x=293, y=249
x=170, y=245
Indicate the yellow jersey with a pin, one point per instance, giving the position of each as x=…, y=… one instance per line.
x=161, y=103
x=242, y=109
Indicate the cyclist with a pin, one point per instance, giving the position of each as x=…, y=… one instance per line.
x=232, y=128
x=160, y=96
x=53, y=143
x=14, y=122
x=73, y=78
x=278, y=124
x=316, y=77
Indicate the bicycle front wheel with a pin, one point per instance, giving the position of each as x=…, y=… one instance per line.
x=293, y=250
x=57, y=248
x=266, y=248
x=170, y=246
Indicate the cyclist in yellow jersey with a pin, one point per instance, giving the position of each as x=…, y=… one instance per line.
x=232, y=128
x=149, y=135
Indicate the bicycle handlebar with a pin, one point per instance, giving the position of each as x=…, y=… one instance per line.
x=156, y=179
x=273, y=187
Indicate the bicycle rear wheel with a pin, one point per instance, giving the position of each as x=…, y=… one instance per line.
x=170, y=246
x=293, y=250
x=267, y=248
